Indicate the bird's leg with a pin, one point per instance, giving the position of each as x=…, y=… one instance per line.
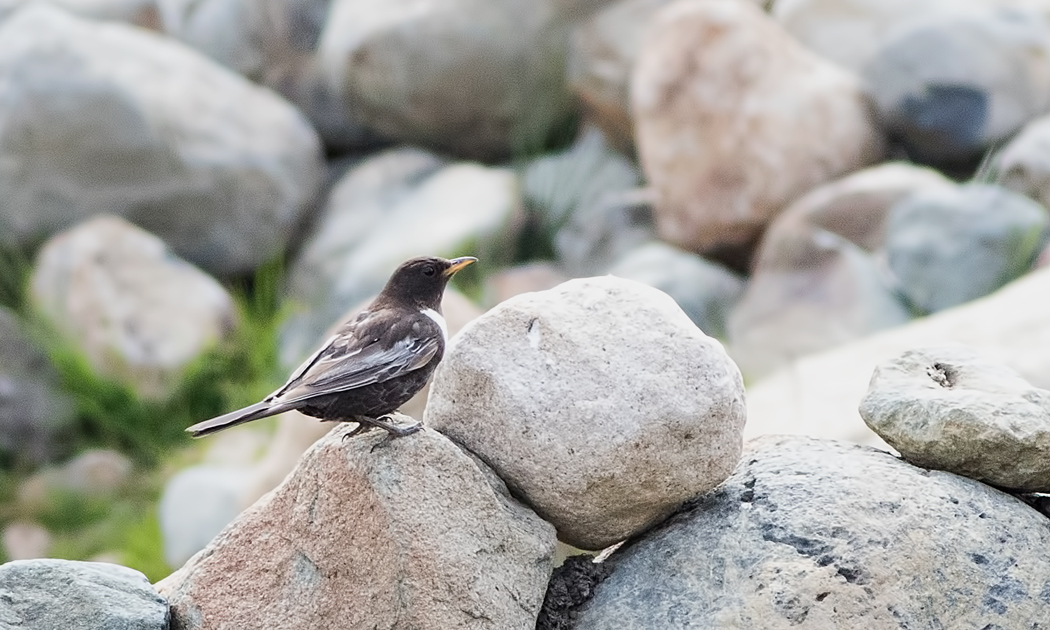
x=363, y=424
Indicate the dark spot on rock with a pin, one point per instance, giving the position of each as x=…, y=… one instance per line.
x=1044, y=595
x=810, y=547
x=978, y=558
x=822, y=596
x=792, y=609
x=571, y=585
x=748, y=495
x=995, y=605
x=853, y=575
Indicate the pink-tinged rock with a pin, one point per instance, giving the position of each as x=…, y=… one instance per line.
x=734, y=120
x=411, y=533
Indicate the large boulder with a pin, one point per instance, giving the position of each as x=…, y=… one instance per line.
x=810, y=534
x=366, y=533
x=393, y=206
x=818, y=394
x=50, y=594
x=951, y=86
x=949, y=245
x=949, y=408
x=34, y=411
x=482, y=79
x=598, y=402
x=109, y=118
x=139, y=314
x=734, y=119
x=273, y=42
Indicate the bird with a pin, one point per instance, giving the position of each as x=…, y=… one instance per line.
x=374, y=363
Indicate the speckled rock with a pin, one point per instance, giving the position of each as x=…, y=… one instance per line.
x=947, y=246
x=598, y=402
x=811, y=534
x=950, y=408
x=102, y=117
x=411, y=533
x=139, y=314
x=50, y=594
x=734, y=119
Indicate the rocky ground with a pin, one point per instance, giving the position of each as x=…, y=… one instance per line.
x=842, y=205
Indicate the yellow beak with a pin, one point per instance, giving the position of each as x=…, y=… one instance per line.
x=458, y=263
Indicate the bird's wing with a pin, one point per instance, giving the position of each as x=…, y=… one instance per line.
x=354, y=358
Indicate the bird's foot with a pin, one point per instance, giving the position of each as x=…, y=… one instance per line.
x=386, y=423
x=361, y=427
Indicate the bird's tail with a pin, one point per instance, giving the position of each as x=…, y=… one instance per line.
x=232, y=419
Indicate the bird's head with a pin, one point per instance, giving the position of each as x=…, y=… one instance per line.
x=422, y=280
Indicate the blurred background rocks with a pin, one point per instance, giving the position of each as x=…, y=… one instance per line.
x=192, y=193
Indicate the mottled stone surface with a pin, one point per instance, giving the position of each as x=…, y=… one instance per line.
x=599, y=402
x=51, y=594
x=820, y=534
x=950, y=408
x=407, y=534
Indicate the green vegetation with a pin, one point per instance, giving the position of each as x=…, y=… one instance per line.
x=241, y=369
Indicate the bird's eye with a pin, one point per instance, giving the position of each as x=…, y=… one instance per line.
x=429, y=270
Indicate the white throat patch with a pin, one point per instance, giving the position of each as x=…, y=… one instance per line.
x=439, y=320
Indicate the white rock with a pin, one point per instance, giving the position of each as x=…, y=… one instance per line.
x=127, y=122
x=598, y=402
x=411, y=533
x=481, y=79
x=139, y=314
x=949, y=408
x=818, y=395
x=734, y=120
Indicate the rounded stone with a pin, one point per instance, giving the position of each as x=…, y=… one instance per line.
x=950, y=408
x=598, y=402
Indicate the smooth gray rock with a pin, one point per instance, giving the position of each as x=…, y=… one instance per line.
x=950, y=408
x=52, y=594
x=599, y=403
x=947, y=246
x=368, y=533
x=139, y=314
x=34, y=410
x=196, y=504
x=811, y=290
x=810, y=534
x=599, y=234
x=109, y=118
x=481, y=79
x=273, y=42
x=953, y=84
x=387, y=209
x=142, y=13
x=706, y=291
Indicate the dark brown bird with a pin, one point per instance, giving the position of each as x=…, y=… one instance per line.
x=374, y=363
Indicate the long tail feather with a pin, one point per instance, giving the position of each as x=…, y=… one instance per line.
x=232, y=419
